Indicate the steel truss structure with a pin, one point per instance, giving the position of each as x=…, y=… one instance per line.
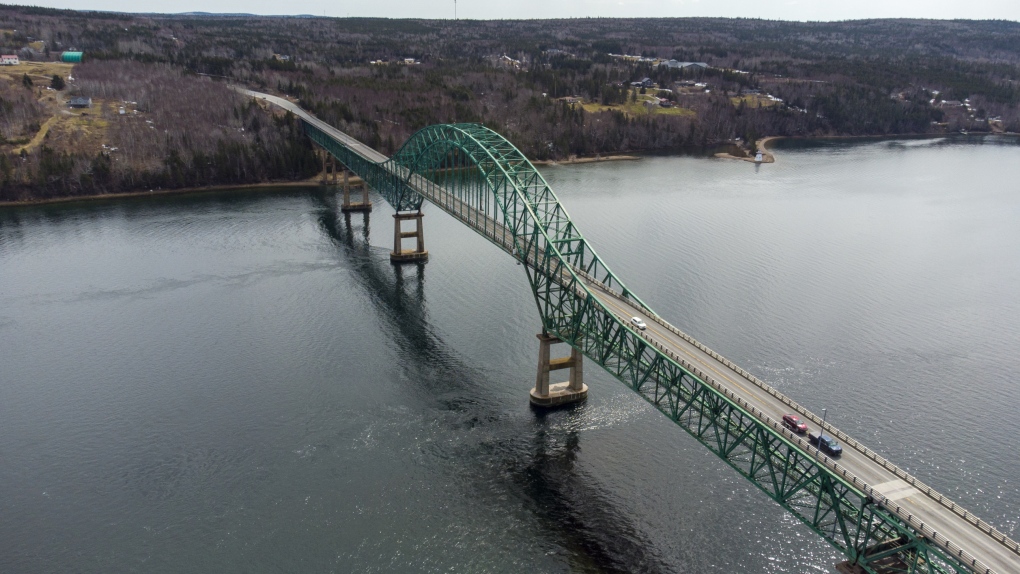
x=480, y=178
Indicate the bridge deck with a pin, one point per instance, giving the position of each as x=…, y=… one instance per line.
x=938, y=518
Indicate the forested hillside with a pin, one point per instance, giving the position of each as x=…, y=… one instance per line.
x=162, y=116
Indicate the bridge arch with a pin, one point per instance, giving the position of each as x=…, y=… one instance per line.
x=481, y=179
x=487, y=173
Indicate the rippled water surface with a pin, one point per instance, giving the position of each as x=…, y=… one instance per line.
x=242, y=382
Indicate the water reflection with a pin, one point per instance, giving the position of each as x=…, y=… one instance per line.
x=539, y=462
x=598, y=535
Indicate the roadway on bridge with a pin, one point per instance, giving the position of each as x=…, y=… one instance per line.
x=995, y=555
x=990, y=552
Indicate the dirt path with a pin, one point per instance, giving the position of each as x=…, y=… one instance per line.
x=38, y=138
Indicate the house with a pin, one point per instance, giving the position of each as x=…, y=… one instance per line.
x=79, y=102
x=9, y=60
x=676, y=65
x=281, y=57
x=508, y=62
x=643, y=83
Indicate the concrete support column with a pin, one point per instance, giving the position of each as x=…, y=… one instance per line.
x=322, y=157
x=571, y=391
x=399, y=254
x=347, y=192
x=332, y=161
x=347, y=206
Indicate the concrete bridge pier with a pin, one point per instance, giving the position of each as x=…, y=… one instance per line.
x=347, y=207
x=325, y=158
x=320, y=154
x=401, y=255
x=328, y=166
x=572, y=391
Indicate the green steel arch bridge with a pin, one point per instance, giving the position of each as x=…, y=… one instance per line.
x=882, y=519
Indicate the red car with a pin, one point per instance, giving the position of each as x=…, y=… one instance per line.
x=795, y=424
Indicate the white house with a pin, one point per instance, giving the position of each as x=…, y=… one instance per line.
x=9, y=60
x=681, y=65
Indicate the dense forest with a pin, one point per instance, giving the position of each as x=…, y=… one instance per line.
x=162, y=115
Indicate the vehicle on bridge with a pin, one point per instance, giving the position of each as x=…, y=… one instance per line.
x=825, y=443
x=794, y=423
x=728, y=410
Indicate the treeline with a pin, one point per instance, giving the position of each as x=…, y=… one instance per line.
x=20, y=112
x=869, y=77
x=189, y=131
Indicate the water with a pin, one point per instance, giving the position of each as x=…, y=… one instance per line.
x=239, y=382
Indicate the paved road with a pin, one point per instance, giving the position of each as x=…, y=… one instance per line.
x=358, y=147
x=941, y=520
x=897, y=491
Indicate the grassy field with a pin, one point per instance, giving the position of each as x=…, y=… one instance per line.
x=40, y=72
x=65, y=129
x=645, y=105
x=82, y=130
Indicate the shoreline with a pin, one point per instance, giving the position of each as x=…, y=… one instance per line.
x=768, y=157
x=762, y=144
x=586, y=160
x=759, y=146
x=311, y=182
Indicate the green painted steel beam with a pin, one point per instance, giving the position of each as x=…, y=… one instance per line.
x=479, y=177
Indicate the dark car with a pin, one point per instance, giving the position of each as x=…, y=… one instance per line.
x=826, y=444
x=793, y=423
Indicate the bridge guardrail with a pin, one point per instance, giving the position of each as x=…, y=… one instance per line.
x=885, y=463
x=848, y=477
x=847, y=439
x=502, y=241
